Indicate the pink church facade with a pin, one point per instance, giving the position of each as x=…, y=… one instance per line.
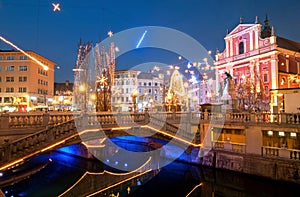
x=263, y=67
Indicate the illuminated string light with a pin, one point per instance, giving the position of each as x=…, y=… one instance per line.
x=199, y=185
x=110, y=173
x=28, y=55
x=110, y=34
x=56, y=7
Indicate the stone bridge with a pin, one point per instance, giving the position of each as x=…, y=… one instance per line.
x=38, y=133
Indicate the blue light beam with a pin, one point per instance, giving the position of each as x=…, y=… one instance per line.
x=142, y=38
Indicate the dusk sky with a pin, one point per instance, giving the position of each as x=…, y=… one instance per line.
x=33, y=25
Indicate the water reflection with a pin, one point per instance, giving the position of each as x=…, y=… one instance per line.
x=176, y=179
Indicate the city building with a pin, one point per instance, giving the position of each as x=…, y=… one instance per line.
x=202, y=92
x=26, y=81
x=262, y=65
x=63, y=96
x=150, y=91
x=124, y=92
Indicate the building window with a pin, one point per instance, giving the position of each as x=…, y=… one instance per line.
x=22, y=68
x=266, y=77
x=0, y=68
x=1, y=57
x=9, y=89
x=0, y=79
x=155, y=84
x=22, y=89
x=10, y=68
x=149, y=83
x=23, y=99
x=0, y=99
x=22, y=79
x=10, y=57
x=145, y=84
x=149, y=90
x=10, y=79
x=0, y=91
x=23, y=57
x=7, y=100
x=241, y=48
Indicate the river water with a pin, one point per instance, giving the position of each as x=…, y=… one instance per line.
x=56, y=171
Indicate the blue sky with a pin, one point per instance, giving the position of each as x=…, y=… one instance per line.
x=33, y=25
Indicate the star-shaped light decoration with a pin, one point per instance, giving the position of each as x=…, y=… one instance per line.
x=56, y=7
x=110, y=34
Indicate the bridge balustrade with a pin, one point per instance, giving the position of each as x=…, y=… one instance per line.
x=62, y=126
x=281, y=152
x=229, y=146
x=33, y=120
x=34, y=143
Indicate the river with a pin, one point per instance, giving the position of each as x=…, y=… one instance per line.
x=50, y=174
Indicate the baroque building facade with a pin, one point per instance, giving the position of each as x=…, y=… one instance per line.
x=261, y=66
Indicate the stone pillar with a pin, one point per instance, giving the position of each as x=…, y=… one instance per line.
x=253, y=140
x=46, y=118
x=4, y=121
x=231, y=47
x=256, y=39
x=227, y=48
x=251, y=40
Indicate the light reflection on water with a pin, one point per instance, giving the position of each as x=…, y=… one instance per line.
x=176, y=179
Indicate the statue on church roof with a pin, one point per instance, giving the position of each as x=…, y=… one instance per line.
x=241, y=20
x=266, y=32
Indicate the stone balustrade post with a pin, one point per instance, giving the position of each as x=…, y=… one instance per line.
x=174, y=115
x=252, y=117
x=283, y=118
x=284, y=152
x=4, y=121
x=227, y=146
x=46, y=118
x=205, y=115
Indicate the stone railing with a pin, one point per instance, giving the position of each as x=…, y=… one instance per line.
x=32, y=120
x=35, y=142
x=230, y=146
x=280, y=152
x=251, y=118
x=35, y=120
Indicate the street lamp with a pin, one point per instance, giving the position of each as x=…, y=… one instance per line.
x=134, y=95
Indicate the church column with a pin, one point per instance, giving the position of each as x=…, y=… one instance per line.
x=251, y=40
x=231, y=47
x=227, y=48
x=256, y=38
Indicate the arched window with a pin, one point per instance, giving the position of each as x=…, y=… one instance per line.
x=241, y=48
